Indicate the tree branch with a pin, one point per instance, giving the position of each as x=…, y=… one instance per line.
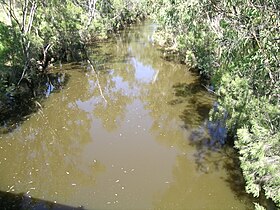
x=24, y=9
x=91, y=8
x=97, y=80
x=31, y=16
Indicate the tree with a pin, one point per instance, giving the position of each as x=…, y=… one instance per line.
x=21, y=14
x=236, y=45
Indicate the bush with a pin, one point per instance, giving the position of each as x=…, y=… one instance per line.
x=237, y=45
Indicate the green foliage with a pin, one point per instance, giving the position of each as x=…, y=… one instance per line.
x=10, y=55
x=259, y=207
x=10, y=47
x=119, y=13
x=180, y=22
x=35, y=33
x=260, y=160
x=62, y=27
x=67, y=28
x=237, y=45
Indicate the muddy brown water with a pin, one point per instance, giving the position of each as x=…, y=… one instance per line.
x=130, y=149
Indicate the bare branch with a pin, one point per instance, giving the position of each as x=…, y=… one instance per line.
x=91, y=8
x=9, y=9
x=45, y=53
x=97, y=80
x=31, y=16
x=24, y=9
x=23, y=73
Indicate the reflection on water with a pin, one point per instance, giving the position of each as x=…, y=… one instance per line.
x=19, y=106
x=130, y=151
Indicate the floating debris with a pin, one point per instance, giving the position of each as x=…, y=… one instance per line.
x=117, y=181
x=10, y=188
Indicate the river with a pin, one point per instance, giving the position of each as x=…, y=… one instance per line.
x=131, y=137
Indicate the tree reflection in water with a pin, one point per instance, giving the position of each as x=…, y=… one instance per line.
x=51, y=148
x=154, y=109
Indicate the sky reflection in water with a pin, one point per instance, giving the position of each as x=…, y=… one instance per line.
x=132, y=152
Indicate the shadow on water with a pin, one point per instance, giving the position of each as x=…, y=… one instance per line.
x=10, y=201
x=214, y=157
x=25, y=99
x=197, y=103
x=19, y=106
x=208, y=138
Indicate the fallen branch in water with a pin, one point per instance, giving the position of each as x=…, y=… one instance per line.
x=155, y=77
x=97, y=80
x=211, y=91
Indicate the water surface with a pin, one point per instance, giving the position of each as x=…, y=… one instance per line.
x=131, y=148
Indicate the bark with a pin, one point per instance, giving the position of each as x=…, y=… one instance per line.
x=91, y=11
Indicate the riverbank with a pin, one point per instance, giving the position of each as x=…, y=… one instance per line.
x=141, y=145
x=234, y=45
x=35, y=36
